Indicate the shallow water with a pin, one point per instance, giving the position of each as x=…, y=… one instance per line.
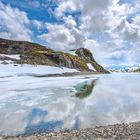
x=40, y=104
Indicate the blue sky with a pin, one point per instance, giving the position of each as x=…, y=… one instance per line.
x=109, y=28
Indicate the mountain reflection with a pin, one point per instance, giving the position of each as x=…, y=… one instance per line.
x=84, y=89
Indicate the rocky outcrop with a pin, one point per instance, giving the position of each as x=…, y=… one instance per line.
x=19, y=47
x=31, y=53
x=54, y=58
x=87, y=56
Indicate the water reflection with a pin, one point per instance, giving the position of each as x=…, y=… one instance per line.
x=44, y=105
x=84, y=89
x=37, y=124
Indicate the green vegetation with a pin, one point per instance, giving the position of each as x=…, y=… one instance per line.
x=98, y=67
x=77, y=60
x=58, y=57
x=87, y=56
x=85, y=51
x=65, y=59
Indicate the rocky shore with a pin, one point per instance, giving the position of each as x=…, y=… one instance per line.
x=112, y=132
x=68, y=74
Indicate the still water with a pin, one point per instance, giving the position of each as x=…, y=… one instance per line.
x=41, y=104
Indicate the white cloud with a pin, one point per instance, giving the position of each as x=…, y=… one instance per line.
x=65, y=6
x=79, y=37
x=58, y=37
x=37, y=24
x=136, y=20
x=120, y=23
x=91, y=6
x=99, y=17
x=14, y=23
x=69, y=21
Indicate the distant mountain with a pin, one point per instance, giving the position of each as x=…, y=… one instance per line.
x=32, y=53
x=134, y=69
x=130, y=69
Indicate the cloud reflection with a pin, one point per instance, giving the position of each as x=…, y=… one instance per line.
x=112, y=99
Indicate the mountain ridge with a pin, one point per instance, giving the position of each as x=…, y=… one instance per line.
x=36, y=54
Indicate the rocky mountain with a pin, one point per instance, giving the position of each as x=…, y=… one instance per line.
x=134, y=69
x=129, y=69
x=19, y=47
x=31, y=53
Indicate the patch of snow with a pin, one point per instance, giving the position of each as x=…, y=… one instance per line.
x=16, y=56
x=11, y=70
x=7, y=61
x=133, y=68
x=90, y=67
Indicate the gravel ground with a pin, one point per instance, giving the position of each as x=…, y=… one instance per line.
x=112, y=132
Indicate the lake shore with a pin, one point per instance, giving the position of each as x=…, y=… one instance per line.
x=67, y=74
x=123, y=131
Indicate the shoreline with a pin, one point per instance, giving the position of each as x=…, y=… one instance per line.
x=67, y=74
x=42, y=71
x=122, y=131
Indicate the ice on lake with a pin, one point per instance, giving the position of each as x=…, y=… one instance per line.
x=31, y=104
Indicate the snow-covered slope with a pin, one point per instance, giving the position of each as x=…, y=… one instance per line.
x=91, y=67
x=16, y=56
x=11, y=69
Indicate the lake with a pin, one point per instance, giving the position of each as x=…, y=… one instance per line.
x=30, y=104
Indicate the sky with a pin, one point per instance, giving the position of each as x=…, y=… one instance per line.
x=109, y=28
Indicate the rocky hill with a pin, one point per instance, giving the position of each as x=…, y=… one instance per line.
x=31, y=53
x=134, y=69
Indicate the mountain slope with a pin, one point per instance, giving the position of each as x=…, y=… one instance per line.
x=31, y=53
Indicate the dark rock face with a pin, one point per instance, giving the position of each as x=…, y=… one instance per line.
x=31, y=53
x=87, y=56
x=53, y=58
x=18, y=47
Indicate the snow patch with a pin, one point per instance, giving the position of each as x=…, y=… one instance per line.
x=17, y=56
x=72, y=52
x=90, y=67
x=7, y=61
x=11, y=69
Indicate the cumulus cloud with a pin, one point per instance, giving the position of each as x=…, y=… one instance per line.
x=37, y=24
x=136, y=20
x=58, y=37
x=110, y=29
x=65, y=6
x=119, y=21
x=69, y=21
x=14, y=23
